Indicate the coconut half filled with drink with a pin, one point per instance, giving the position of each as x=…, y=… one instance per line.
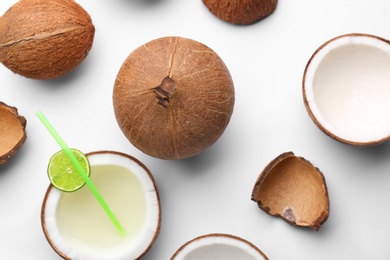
x=77, y=227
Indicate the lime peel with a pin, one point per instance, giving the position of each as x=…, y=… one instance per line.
x=63, y=174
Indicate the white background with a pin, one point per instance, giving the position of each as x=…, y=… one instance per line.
x=210, y=192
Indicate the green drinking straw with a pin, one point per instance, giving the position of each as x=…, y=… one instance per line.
x=82, y=173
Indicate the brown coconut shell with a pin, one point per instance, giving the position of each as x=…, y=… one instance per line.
x=42, y=39
x=241, y=11
x=173, y=97
x=290, y=187
x=12, y=132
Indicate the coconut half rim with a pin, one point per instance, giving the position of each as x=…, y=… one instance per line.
x=145, y=238
x=218, y=246
x=346, y=88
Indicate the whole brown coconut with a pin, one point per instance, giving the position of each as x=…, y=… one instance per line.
x=42, y=39
x=241, y=11
x=173, y=97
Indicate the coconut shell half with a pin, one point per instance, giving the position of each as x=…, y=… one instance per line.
x=12, y=132
x=290, y=187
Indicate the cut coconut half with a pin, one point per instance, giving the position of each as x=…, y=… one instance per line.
x=77, y=227
x=346, y=89
x=12, y=132
x=292, y=188
x=218, y=247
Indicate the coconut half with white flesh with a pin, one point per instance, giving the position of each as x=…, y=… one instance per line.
x=346, y=89
x=218, y=247
x=77, y=227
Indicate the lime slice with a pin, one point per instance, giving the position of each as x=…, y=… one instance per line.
x=63, y=175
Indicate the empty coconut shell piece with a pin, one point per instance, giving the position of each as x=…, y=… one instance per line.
x=12, y=132
x=173, y=97
x=292, y=188
x=43, y=39
x=218, y=246
x=241, y=11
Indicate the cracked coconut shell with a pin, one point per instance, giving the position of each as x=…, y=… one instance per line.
x=241, y=11
x=173, y=97
x=292, y=188
x=12, y=132
x=42, y=39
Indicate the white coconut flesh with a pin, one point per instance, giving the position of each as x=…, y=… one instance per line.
x=97, y=238
x=218, y=247
x=347, y=88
